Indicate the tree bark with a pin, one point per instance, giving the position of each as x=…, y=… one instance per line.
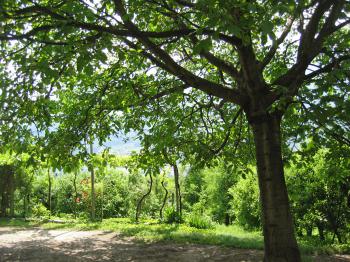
x=50, y=186
x=139, y=204
x=278, y=228
x=25, y=204
x=3, y=204
x=27, y=196
x=320, y=229
x=7, y=189
x=75, y=195
x=164, y=200
x=336, y=233
x=172, y=199
x=177, y=190
x=227, y=219
x=12, y=193
x=93, y=200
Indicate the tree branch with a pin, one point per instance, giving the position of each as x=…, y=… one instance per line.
x=185, y=3
x=338, y=137
x=174, y=68
x=267, y=59
x=310, y=46
x=307, y=36
x=216, y=151
x=225, y=66
x=329, y=26
x=327, y=68
x=38, y=9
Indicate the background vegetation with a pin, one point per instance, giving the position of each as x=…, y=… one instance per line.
x=220, y=203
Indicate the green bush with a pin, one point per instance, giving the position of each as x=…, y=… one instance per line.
x=171, y=216
x=39, y=210
x=245, y=202
x=199, y=221
x=65, y=216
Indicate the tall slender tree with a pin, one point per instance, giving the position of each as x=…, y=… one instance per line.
x=92, y=178
x=49, y=195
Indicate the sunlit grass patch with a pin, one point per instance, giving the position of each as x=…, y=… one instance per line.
x=150, y=230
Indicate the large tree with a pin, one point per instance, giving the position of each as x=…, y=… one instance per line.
x=98, y=57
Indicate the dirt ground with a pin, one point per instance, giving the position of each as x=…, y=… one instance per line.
x=42, y=245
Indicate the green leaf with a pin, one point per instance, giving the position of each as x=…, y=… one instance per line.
x=88, y=69
x=266, y=26
x=235, y=30
x=101, y=56
x=202, y=46
x=80, y=63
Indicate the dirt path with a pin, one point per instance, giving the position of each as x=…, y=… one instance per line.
x=42, y=245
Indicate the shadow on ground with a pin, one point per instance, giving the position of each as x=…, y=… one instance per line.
x=38, y=244
x=63, y=245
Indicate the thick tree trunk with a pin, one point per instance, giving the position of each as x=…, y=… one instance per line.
x=278, y=228
x=177, y=191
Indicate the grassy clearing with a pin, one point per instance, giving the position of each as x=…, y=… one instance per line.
x=151, y=230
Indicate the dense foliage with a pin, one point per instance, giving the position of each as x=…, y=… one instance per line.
x=213, y=195
x=196, y=81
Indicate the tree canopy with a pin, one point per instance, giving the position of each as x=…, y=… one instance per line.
x=197, y=76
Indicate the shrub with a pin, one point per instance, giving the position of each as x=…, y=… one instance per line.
x=171, y=216
x=199, y=221
x=65, y=216
x=245, y=202
x=39, y=210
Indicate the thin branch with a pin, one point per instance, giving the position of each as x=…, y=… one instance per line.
x=336, y=136
x=185, y=3
x=310, y=46
x=239, y=112
x=267, y=59
x=327, y=68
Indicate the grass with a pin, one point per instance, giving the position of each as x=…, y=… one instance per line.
x=314, y=245
x=151, y=230
x=15, y=222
